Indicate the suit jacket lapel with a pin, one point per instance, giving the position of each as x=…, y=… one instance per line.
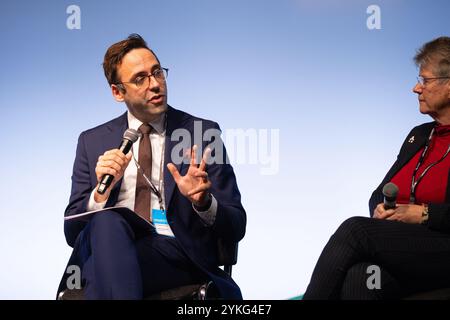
x=413, y=143
x=112, y=141
x=174, y=122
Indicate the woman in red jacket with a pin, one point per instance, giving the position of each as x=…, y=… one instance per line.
x=408, y=246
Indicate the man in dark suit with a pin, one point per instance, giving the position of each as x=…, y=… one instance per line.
x=188, y=205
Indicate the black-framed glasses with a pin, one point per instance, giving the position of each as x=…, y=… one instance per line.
x=143, y=81
x=424, y=80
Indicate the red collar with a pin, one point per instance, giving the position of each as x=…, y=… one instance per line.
x=441, y=130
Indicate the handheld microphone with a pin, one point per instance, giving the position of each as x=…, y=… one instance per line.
x=129, y=137
x=390, y=192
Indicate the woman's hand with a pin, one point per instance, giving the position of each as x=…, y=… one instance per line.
x=409, y=213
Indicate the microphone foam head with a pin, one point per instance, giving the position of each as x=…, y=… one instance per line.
x=131, y=135
x=390, y=190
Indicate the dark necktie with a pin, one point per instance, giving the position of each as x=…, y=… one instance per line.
x=142, y=203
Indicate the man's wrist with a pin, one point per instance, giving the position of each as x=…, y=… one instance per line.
x=205, y=205
x=208, y=215
x=100, y=198
x=95, y=203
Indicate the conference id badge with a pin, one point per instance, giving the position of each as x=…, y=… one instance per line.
x=159, y=218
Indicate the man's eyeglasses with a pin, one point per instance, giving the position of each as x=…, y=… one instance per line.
x=424, y=81
x=143, y=81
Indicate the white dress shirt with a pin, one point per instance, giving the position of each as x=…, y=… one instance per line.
x=128, y=188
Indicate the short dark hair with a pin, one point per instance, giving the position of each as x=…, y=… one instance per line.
x=437, y=54
x=116, y=52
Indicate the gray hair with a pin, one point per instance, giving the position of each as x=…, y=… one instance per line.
x=435, y=55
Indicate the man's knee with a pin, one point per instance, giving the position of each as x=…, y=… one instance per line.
x=109, y=222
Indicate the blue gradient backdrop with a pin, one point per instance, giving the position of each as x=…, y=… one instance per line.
x=339, y=93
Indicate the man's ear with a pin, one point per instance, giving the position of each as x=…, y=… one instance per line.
x=118, y=92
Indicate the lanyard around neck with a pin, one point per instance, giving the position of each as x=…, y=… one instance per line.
x=414, y=182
